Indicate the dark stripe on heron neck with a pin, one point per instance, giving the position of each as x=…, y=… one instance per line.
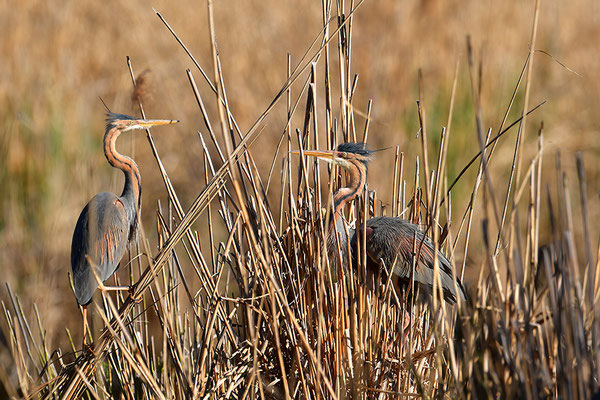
x=124, y=163
x=358, y=179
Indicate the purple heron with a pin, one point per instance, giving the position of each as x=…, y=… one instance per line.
x=389, y=240
x=108, y=222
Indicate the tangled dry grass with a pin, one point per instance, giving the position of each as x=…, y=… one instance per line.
x=239, y=301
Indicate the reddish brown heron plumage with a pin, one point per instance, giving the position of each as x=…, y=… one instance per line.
x=108, y=222
x=389, y=241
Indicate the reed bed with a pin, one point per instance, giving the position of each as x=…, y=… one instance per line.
x=272, y=317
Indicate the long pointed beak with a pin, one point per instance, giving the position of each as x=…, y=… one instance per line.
x=147, y=123
x=324, y=154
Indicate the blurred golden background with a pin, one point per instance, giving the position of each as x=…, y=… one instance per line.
x=58, y=58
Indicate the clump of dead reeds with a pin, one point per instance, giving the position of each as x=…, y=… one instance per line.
x=263, y=313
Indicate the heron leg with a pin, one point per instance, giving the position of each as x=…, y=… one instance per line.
x=129, y=289
x=85, y=325
x=101, y=285
x=113, y=288
x=406, y=322
x=85, y=346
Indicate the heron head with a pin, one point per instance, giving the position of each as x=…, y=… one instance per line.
x=126, y=123
x=346, y=155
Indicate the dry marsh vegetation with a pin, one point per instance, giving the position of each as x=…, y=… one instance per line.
x=237, y=296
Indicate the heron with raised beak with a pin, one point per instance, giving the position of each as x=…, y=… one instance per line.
x=389, y=240
x=108, y=222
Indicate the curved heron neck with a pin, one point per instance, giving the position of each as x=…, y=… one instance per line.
x=132, y=189
x=356, y=183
